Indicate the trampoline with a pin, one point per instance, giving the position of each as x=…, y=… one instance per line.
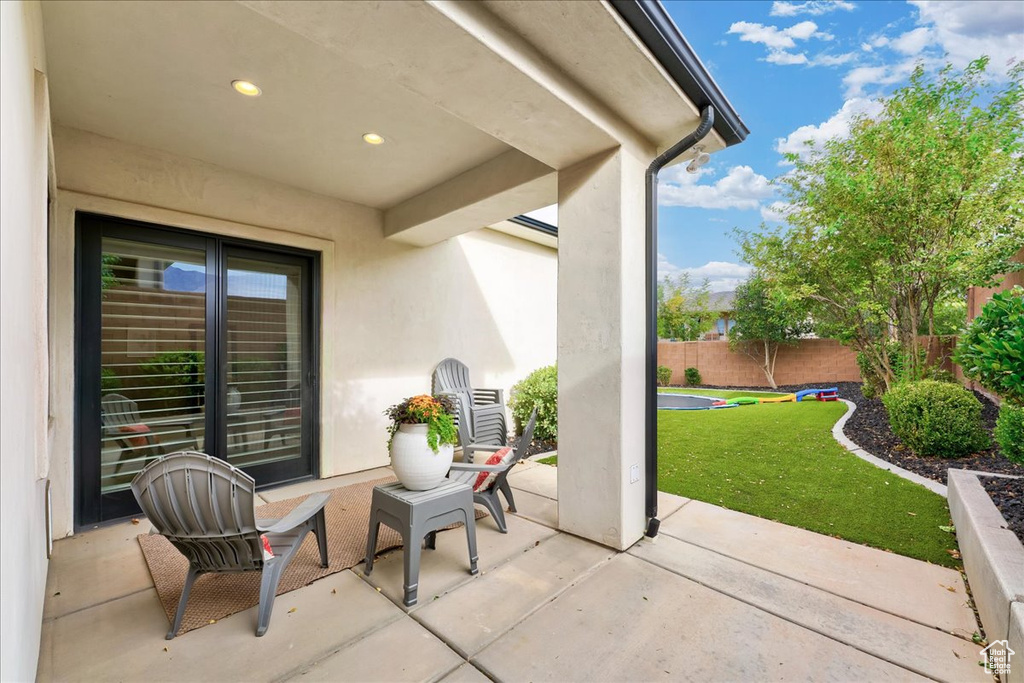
x=687, y=402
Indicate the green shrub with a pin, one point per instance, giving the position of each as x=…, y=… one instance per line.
x=109, y=381
x=936, y=418
x=664, y=375
x=992, y=349
x=539, y=389
x=177, y=377
x=693, y=376
x=1009, y=432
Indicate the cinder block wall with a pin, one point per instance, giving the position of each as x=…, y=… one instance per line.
x=812, y=360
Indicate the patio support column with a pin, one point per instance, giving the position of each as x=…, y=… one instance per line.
x=601, y=299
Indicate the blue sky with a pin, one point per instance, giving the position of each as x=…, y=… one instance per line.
x=797, y=71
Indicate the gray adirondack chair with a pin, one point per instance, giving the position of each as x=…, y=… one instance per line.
x=483, y=409
x=204, y=507
x=122, y=424
x=467, y=473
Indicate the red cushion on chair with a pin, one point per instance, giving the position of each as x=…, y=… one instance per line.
x=135, y=441
x=484, y=479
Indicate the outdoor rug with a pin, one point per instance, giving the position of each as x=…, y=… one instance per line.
x=215, y=596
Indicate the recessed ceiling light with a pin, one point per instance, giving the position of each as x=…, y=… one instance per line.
x=247, y=88
x=373, y=138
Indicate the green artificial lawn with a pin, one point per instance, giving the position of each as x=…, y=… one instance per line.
x=718, y=393
x=550, y=460
x=780, y=462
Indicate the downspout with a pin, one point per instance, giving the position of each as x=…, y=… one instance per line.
x=707, y=120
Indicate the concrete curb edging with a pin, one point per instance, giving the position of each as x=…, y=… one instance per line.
x=994, y=562
x=837, y=434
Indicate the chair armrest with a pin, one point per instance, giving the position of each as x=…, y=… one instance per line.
x=306, y=509
x=470, y=467
x=483, y=397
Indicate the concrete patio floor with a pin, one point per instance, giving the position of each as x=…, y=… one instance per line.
x=718, y=596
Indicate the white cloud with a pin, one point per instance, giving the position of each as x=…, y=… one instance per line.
x=772, y=36
x=837, y=125
x=833, y=60
x=887, y=74
x=780, y=8
x=778, y=41
x=913, y=42
x=741, y=188
x=666, y=269
x=775, y=212
x=722, y=276
x=785, y=58
x=967, y=29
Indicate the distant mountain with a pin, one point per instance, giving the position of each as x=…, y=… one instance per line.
x=241, y=283
x=180, y=280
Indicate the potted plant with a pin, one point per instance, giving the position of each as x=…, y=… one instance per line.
x=422, y=440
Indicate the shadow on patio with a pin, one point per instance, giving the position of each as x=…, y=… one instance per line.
x=719, y=595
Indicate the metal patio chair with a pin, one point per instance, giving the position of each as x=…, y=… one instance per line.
x=483, y=409
x=486, y=488
x=205, y=508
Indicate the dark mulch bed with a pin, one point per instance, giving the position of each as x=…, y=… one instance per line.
x=536, y=446
x=868, y=427
x=1008, y=495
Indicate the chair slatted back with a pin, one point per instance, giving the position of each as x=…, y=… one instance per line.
x=451, y=376
x=119, y=411
x=205, y=508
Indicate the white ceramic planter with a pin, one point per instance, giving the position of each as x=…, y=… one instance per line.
x=415, y=465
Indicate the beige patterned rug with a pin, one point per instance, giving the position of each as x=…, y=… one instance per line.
x=215, y=596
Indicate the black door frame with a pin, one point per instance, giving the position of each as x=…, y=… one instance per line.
x=90, y=228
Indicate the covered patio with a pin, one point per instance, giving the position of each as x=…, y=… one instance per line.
x=127, y=114
x=719, y=595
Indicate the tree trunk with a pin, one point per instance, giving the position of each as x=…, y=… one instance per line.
x=769, y=363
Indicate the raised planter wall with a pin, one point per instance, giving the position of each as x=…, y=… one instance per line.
x=994, y=562
x=811, y=360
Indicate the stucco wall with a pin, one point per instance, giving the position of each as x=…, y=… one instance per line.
x=812, y=360
x=24, y=134
x=390, y=311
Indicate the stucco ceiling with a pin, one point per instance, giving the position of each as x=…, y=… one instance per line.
x=159, y=74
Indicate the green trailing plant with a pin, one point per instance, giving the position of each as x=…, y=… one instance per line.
x=693, y=377
x=434, y=411
x=1009, y=431
x=664, y=375
x=936, y=418
x=537, y=390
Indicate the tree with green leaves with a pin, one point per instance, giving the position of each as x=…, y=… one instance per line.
x=911, y=208
x=683, y=311
x=766, y=319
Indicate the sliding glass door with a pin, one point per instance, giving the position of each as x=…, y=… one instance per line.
x=187, y=341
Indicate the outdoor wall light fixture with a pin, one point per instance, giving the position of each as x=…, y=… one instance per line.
x=247, y=88
x=373, y=138
x=699, y=160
